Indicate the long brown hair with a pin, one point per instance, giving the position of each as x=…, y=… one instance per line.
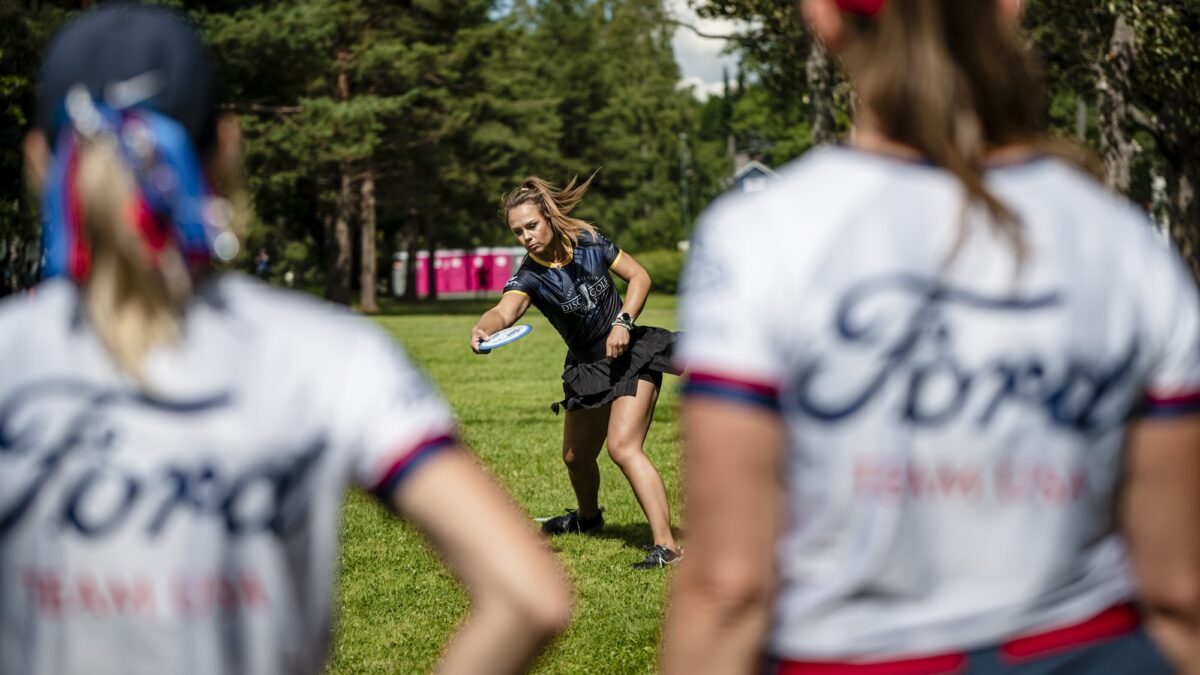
x=953, y=79
x=555, y=204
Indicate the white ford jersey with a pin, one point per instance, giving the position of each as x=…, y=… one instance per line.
x=954, y=421
x=191, y=527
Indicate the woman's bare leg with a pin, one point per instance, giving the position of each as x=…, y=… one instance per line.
x=627, y=426
x=583, y=436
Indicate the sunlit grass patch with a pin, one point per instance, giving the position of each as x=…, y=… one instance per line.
x=396, y=604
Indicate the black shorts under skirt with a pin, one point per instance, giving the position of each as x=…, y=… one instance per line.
x=591, y=381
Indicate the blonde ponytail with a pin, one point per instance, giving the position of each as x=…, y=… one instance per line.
x=133, y=304
x=555, y=204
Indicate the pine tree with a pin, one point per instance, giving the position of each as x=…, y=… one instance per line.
x=27, y=28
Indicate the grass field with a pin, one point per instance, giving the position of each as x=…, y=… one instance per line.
x=397, y=606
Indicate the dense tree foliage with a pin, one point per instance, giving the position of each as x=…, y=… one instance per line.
x=375, y=126
x=1124, y=76
x=27, y=27
x=1137, y=64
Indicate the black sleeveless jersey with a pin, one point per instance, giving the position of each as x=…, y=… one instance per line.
x=577, y=297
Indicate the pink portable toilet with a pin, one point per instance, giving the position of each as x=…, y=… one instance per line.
x=439, y=272
x=422, y=274
x=501, y=264
x=479, y=269
x=452, y=271
x=460, y=272
x=506, y=260
x=486, y=276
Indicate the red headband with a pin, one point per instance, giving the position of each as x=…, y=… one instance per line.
x=863, y=7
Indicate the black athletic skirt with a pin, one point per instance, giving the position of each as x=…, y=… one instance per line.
x=590, y=380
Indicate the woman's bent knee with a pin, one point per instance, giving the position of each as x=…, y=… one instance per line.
x=575, y=458
x=623, y=454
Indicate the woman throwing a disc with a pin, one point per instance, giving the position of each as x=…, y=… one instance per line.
x=175, y=443
x=613, y=367
x=949, y=420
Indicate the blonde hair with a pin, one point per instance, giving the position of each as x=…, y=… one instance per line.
x=132, y=305
x=953, y=80
x=133, y=299
x=555, y=204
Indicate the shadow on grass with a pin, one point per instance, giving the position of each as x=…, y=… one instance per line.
x=634, y=535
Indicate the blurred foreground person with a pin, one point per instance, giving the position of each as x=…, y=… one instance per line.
x=175, y=443
x=943, y=409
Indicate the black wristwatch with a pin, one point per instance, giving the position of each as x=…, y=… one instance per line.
x=624, y=320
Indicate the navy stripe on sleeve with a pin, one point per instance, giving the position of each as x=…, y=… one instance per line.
x=737, y=390
x=1171, y=406
x=408, y=461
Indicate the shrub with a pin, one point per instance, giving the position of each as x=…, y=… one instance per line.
x=665, y=267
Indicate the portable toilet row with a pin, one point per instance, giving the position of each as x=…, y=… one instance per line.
x=458, y=271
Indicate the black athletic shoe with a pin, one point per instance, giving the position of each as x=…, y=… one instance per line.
x=572, y=523
x=658, y=556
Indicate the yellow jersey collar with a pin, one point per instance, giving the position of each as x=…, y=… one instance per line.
x=570, y=257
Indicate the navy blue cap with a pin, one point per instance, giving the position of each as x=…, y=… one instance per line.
x=127, y=53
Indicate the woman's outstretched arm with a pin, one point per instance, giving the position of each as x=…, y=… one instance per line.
x=511, y=307
x=520, y=597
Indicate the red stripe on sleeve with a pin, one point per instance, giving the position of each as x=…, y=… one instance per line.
x=405, y=460
x=744, y=384
x=1187, y=398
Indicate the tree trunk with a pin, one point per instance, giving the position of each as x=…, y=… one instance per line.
x=1117, y=148
x=367, y=299
x=1183, y=207
x=821, y=74
x=1081, y=116
x=339, y=266
x=412, y=244
x=431, y=267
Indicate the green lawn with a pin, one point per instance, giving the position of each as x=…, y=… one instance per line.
x=396, y=605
